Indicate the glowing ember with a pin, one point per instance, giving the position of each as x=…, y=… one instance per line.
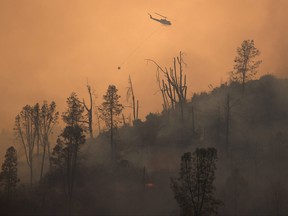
x=150, y=185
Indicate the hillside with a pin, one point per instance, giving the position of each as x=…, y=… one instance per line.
x=253, y=154
x=248, y=129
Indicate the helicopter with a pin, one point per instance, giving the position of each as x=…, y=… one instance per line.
x=162, y=21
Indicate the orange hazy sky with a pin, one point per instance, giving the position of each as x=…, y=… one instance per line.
x=49, y=48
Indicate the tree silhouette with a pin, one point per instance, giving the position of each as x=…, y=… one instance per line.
x=27, y=131
x=245, y=67
x=74, y=113
x=135, y=106
x=48, y=117
x=173, y=86
x=89, y=111
x=236, y=187
x=194, y=189
x=65, y=153
x=33, y=126
x=109, y=112
x=8, y=176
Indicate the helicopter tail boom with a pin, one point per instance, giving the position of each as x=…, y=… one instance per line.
x=161, y=15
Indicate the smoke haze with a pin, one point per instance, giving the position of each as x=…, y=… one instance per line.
x=50, y=48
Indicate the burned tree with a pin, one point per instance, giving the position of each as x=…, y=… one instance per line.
x=173, y=86
x=33, y=126
x=26, y=131
x=229, y=104
x=89, y=110
x=130, y=94
x=227, y=117
x=98, y=120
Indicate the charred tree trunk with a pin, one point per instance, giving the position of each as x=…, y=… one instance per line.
x=43, y=160
x=173, y=87
x=111, y=137
x=135, y=104
x=193, y=121
x=123, y=119
x=89, y=111
x=98, y=121
x=227, y=129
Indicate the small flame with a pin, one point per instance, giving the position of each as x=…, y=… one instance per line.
x=150, y=185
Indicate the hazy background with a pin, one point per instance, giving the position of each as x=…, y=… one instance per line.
x=50, y=48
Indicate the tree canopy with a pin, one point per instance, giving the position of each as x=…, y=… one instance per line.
x=194, y=189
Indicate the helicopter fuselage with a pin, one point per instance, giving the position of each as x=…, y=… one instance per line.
x=163, y=21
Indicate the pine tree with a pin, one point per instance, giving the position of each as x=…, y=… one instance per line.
x=245, y=67
x=8, y=176
x=65, y=153
x=109, y=112
x=74, y=113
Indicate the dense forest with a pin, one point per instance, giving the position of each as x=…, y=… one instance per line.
x=219, y=152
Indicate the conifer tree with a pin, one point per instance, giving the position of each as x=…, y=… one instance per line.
x=245, y=67
x=194, y=189
x=8, y=176
x=109, y=112
x=65, y=153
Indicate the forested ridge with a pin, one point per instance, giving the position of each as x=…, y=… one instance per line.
x=219, y=152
